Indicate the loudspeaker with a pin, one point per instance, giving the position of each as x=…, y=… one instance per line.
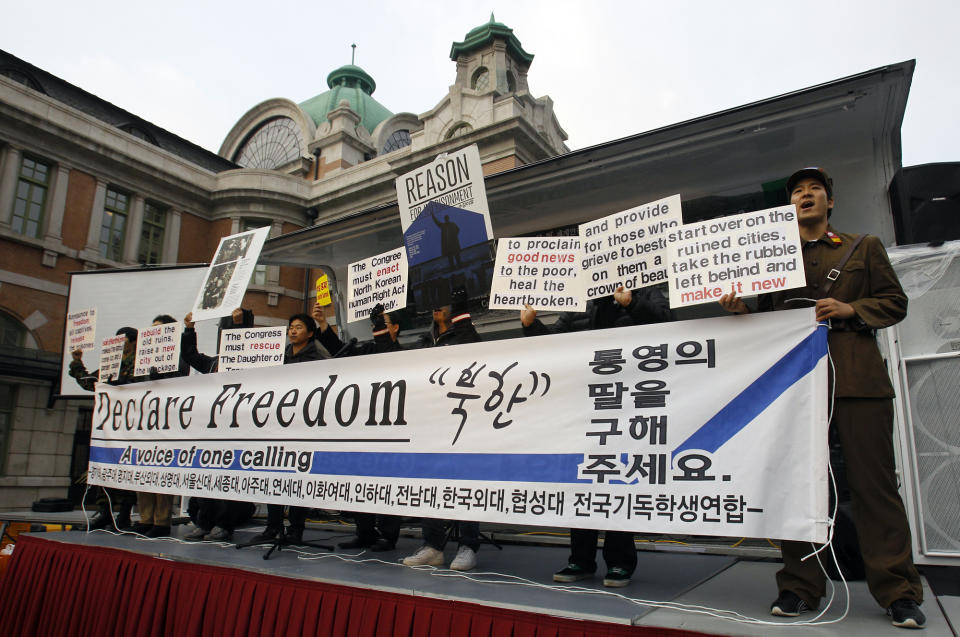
x=935, y=436
x=926, y=203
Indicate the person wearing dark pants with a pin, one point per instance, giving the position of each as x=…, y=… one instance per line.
x=855, y=291
x=623, y=308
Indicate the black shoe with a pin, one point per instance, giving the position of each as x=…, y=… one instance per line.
x=139, y=528
x=158, y=531
x=906, y=613
x=572, y=573
x=355, y=543
x=788, y=604
x=293, y=536
x=123, y=518
x=382, y=545
x=269, y=534
x=616, y=577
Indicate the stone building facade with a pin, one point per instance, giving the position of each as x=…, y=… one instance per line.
x=85, y=185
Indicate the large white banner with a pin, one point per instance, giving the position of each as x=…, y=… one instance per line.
x=715, y=426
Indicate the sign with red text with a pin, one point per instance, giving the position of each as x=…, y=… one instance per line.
x=82, y=330
x=379, y=279
x=158, y=348
x=543, y=272
x=245, y=348
x=628, y=248
x=111, y=355
x=323, y=290
x=748, y=254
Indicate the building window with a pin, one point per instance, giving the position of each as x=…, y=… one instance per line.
x=12, y=332
x=151, y=235
x=7, y=396
x=397, y=140
x=275, y=143
x=481, y=79
x=511, y=82
x=31, y=197
x=459, y=130
x=259, y=276
x=115, y=211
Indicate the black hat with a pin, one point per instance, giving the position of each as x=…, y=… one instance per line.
x=811, y=172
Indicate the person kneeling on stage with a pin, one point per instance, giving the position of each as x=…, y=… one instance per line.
x=855, y=291
x=301, y=349
x=624, y=308
x=451, y=326
x=378, y=532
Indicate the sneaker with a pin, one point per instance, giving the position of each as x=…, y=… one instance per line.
x=788, y=604
x=269, y=534
x=354, y=543
x=158, y=531
x=218, y=534
x=382, y=545
x=465, y=560
x=616, y=577
x=572, y=573
x=906, y=613
x=426, y=556
x=196, y=534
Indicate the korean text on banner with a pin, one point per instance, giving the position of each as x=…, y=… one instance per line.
x=695, y=427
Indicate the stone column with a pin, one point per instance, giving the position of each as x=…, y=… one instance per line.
x=131, y=235
x=273, y=271
x=171, y=237
x=8, y=184
x=58, y=202
x=96, y=220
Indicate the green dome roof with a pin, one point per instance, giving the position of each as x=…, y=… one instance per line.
x=353, y=84
x=484, y=34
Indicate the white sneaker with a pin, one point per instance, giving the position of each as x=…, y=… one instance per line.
x=426, y=556
x=465, y=560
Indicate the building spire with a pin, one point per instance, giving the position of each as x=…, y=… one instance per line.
x=353, y=53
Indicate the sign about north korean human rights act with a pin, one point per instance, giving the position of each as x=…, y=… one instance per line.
x=695, y=427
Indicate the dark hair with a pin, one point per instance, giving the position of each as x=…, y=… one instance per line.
x=129, y=332
x=163, y=319
x=307, y=320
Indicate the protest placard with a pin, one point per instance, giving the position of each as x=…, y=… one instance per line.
x=453, y=180
x=158, y=348
x=628, y=248
x=82, y=330
x=748, y=254
x=543, y=272
x=229, y=274
x=379, y=279
x=111, y=355
x=252, y=347
x=323, y=290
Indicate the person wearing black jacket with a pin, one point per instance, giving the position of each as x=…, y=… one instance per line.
x=452, y=325
x=378, y=532
x=215, y=519
x=639, y=307
x=302, y=348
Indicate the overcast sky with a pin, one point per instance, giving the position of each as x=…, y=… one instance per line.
x=612, y=68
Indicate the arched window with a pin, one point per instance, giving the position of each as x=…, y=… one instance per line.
x=12, y=332
x=397, y=140
x=459, y=130
x=275, y=143
x=481, y=79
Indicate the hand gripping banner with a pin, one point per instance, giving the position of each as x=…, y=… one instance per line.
x=708, y=427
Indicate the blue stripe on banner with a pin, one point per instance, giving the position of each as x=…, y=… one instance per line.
x=506, y=467
x=106, y=455
x=740, y=411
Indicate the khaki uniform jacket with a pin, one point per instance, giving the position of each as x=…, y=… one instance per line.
x=868, y=283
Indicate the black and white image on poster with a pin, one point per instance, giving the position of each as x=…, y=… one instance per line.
x=229, y=274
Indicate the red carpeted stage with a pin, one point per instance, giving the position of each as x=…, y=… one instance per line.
x=103, y=584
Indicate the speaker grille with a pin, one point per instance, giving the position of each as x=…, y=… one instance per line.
x=935, y=433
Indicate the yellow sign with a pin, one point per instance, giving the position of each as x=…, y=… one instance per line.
x=323, y=291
